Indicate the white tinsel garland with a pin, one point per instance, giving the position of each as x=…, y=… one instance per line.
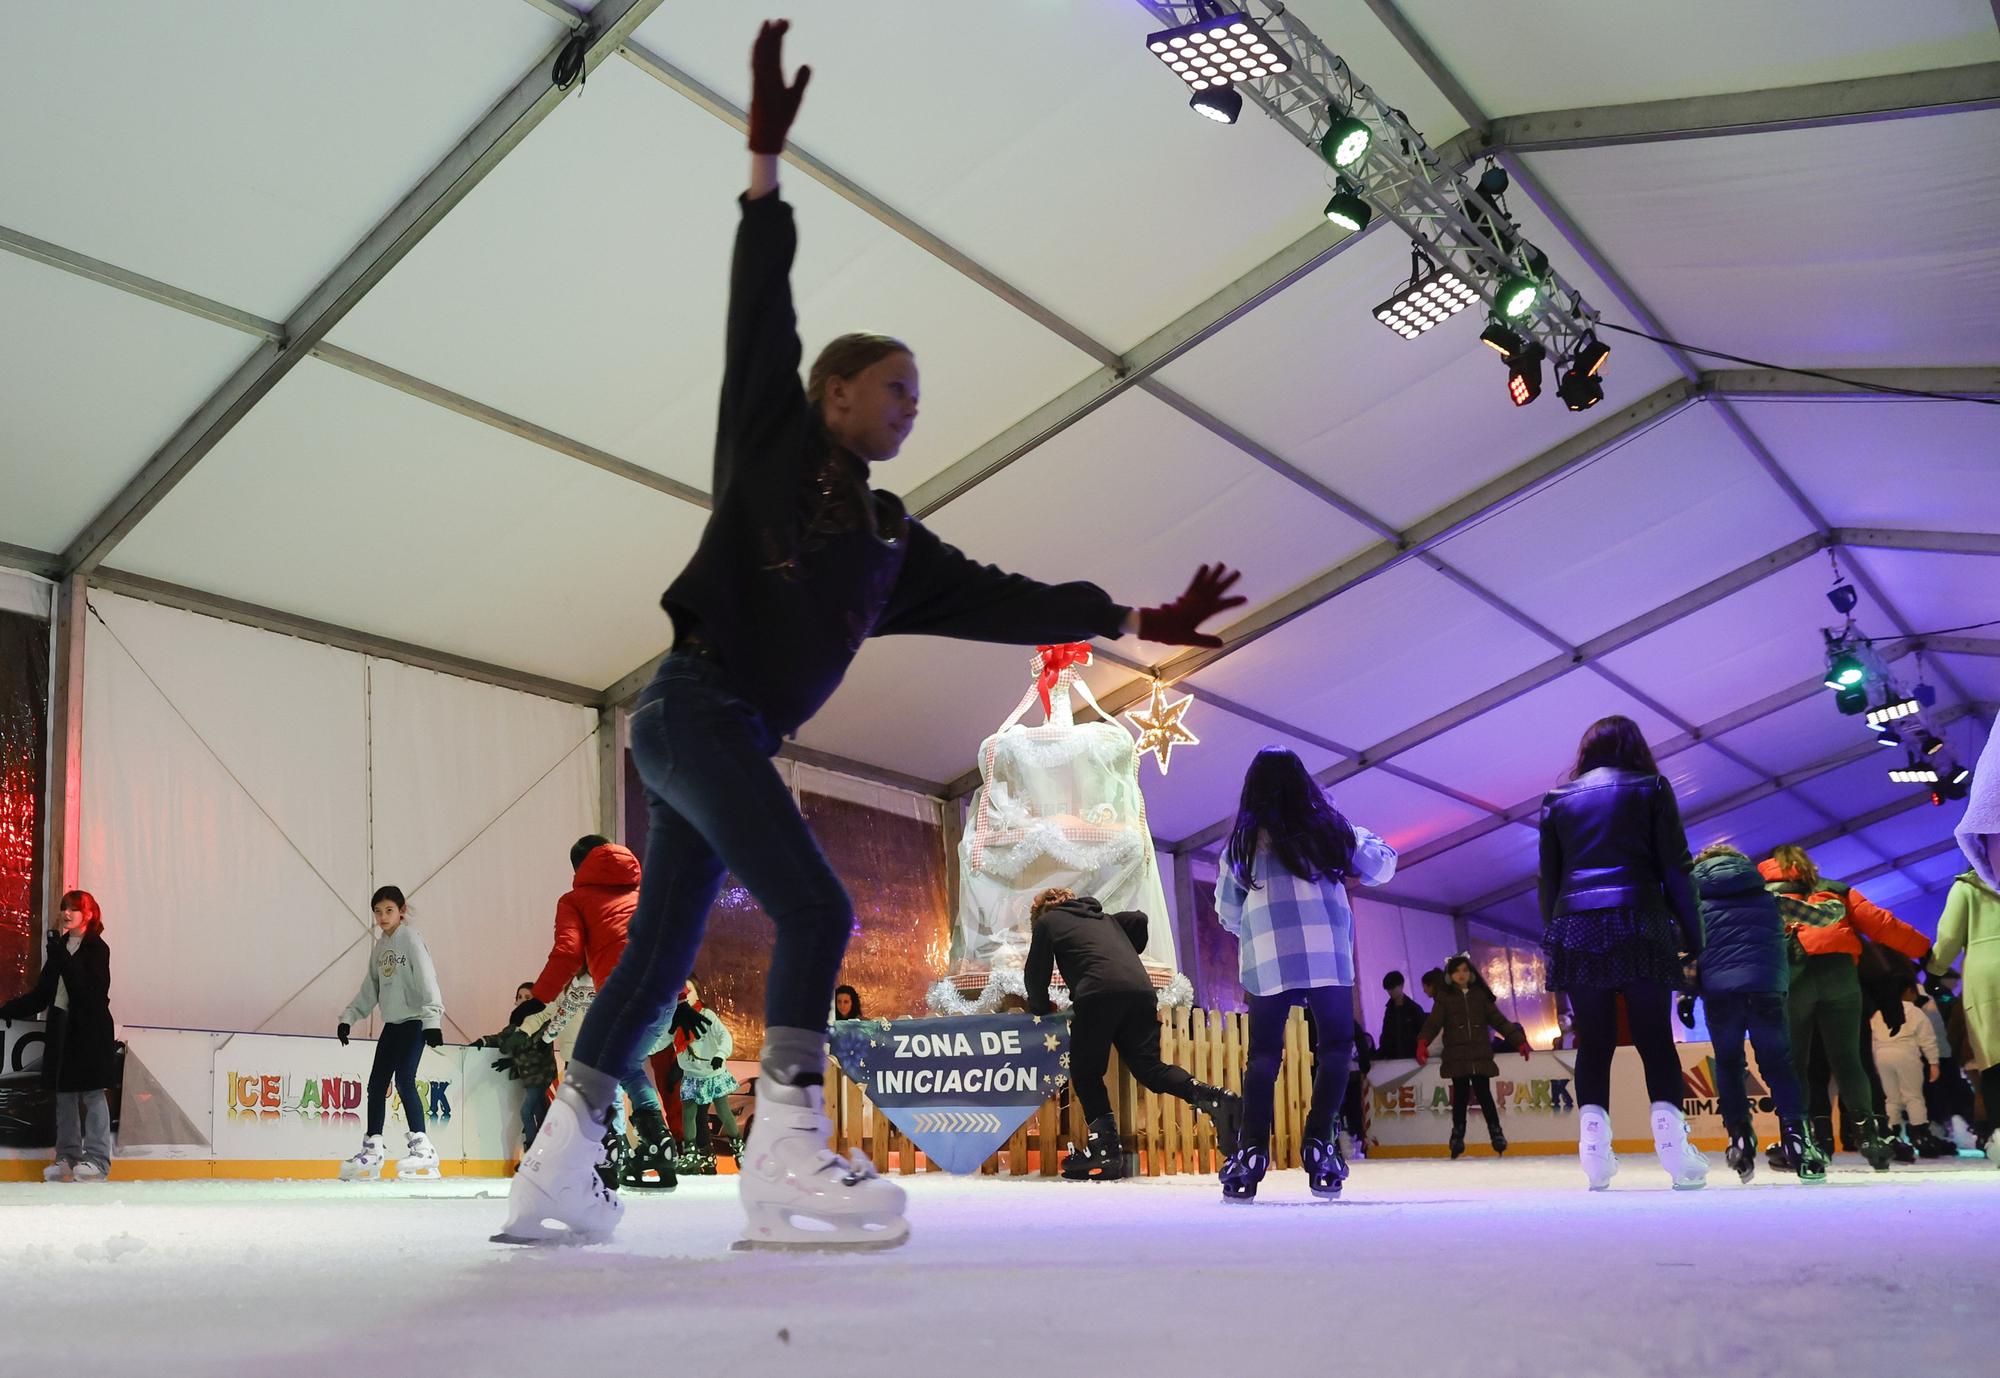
x=943, y=998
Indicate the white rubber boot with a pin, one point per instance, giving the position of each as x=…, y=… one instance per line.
x=799, y=1194
x=365, y=1166
x=1593, y=1146
x=1686, y=1165
x=58, y=1171
x=557, y=1196
x=419, y=1160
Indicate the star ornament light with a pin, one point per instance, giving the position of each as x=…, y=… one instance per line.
x=1160, y=726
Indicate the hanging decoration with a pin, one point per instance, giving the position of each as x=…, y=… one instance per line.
x=1160, y=726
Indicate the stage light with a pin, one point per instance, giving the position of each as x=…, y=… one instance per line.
x=1892, y=709
x=1219, y=102
x=1888, y=736
x=1579, y=390
x=1851, y=700
x=1957, y=775
x=1216, y=52
x=1345, y=142
x=1843, y=597
x=1499, y=338
x=1518, y=296
x=1589, y=360
x=1914, y=773
x=1348, y=210
x=1929, y=742
x=1844, y=670
x=1524, y=374
x=1433, y=293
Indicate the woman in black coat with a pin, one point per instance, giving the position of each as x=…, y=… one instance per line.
x=79, y=1061
x=1619, y=920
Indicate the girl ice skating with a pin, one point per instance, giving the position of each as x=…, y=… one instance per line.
x=403, y=984
x=1465, y=1011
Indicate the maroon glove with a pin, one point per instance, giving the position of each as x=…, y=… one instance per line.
x=1423, y=1054
x=1524, y=1050
x=1179, y=623
x=773, y=105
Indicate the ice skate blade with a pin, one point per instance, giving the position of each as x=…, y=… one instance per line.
x=418, y=1175
x=809, y=1242
x=552, y=1239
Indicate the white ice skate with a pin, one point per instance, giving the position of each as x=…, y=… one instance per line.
x=1686, y=1165
x=1593, y=1146
x=1960, y=1135
x=419, y=1160
x=557, y=1196
x=87, y=1172
x=58, y=1171
x=365, y=1166
x=799, y=1194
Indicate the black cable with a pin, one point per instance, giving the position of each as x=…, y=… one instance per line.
x=1935, y=631
x=569, y=70
x=1801, y=372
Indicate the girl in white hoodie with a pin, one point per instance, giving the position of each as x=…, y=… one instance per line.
x=403, y=983
x=1905, y=1057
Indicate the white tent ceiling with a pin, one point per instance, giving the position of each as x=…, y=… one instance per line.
x=497, y=451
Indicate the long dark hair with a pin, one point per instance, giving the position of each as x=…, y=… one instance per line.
x=1308, y=835
x=1617, y=742
x=84, y=901
x=851, y=993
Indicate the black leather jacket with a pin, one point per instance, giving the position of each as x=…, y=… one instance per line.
x=1613, y=840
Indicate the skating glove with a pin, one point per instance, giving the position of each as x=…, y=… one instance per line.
x=434, y=1038
x=342, y=1032
x=1524, y=1050
x=690, y=1021
x=1684, y=1007
x=527, y=1009
x=773, y=104
x=1179, y=623
x=1423, y=1054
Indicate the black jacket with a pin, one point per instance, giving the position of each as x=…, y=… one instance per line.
x=800, y=561
x=1613, y=840
x=1742, y=933
x=1400, y=1024
x=1463, y=1017
x=1097, y=953
x=81, y=1053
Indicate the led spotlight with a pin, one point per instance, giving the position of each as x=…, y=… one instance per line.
x=1957, y=775
x=1345, y=142
x=1888, y=736
x=1844, y=670
x=1524, y=374
x=1929, y=742
x=1589, y=360
x=1851, y=700
x=1843, y=597
x=1220, y=102
x=1914, y=772
x=1579, y=390
x=1518, y=296
x=1215, y=52
x=1433, y=293
x=1892, y=709
x=1498, y=337
x=1347, y=210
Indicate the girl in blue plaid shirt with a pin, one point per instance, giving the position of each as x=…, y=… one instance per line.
x=1282, y=893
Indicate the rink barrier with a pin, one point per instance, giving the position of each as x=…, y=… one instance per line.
x=1163, y=1135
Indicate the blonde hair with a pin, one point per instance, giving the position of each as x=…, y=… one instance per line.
x=1054, y=896
x=847, y=355
x=1792, y=857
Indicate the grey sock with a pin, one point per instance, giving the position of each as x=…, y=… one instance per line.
x=598, y=1089
x=793, y=1056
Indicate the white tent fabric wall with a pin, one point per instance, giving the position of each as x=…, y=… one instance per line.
x=24, y=593
x=243, y=792
x=1391, y=937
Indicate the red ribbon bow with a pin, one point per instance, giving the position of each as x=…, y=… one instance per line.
x=1056, y=659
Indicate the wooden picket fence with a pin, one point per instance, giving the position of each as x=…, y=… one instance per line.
x=1163, y=1135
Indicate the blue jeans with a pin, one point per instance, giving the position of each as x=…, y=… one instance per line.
x=1762, y=1016
x=533, y=1108
x=1332, y=1011
x=714, y=803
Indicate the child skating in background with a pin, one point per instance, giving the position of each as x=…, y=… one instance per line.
x=1743, y=976
x=705, y=1047
x=526, y=1057
x=1906, y=1058
x=1465, y=1010
x=402, y=982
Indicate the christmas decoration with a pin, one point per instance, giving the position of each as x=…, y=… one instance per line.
x=1160, y=726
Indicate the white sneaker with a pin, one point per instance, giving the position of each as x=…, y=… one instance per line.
x=87, y=1172
x=58, y=1171
x=1686, y=1165
x=419, y=1159
x=365, y=1166
x=557, y=1196
x=799, y=1194
x=1593, y=1146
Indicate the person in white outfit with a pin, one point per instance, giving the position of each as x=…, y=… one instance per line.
x=1905, y=1058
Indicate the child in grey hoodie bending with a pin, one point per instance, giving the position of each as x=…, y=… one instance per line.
x=402, y=981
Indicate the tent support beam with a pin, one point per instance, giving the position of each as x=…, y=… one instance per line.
x=62, y=809
x=501, y=130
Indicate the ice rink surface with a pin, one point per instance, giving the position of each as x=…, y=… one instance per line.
x=1426, y=1269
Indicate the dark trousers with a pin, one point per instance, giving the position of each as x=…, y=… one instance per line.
x=396, y=1054
x=1463, y=1090
x=1131, y=1024
x=534, y=1109
x=1762, y=1017
x=1331, y=1009
x=1826, y=1000
x=714, y=803
x=1649, y=1012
